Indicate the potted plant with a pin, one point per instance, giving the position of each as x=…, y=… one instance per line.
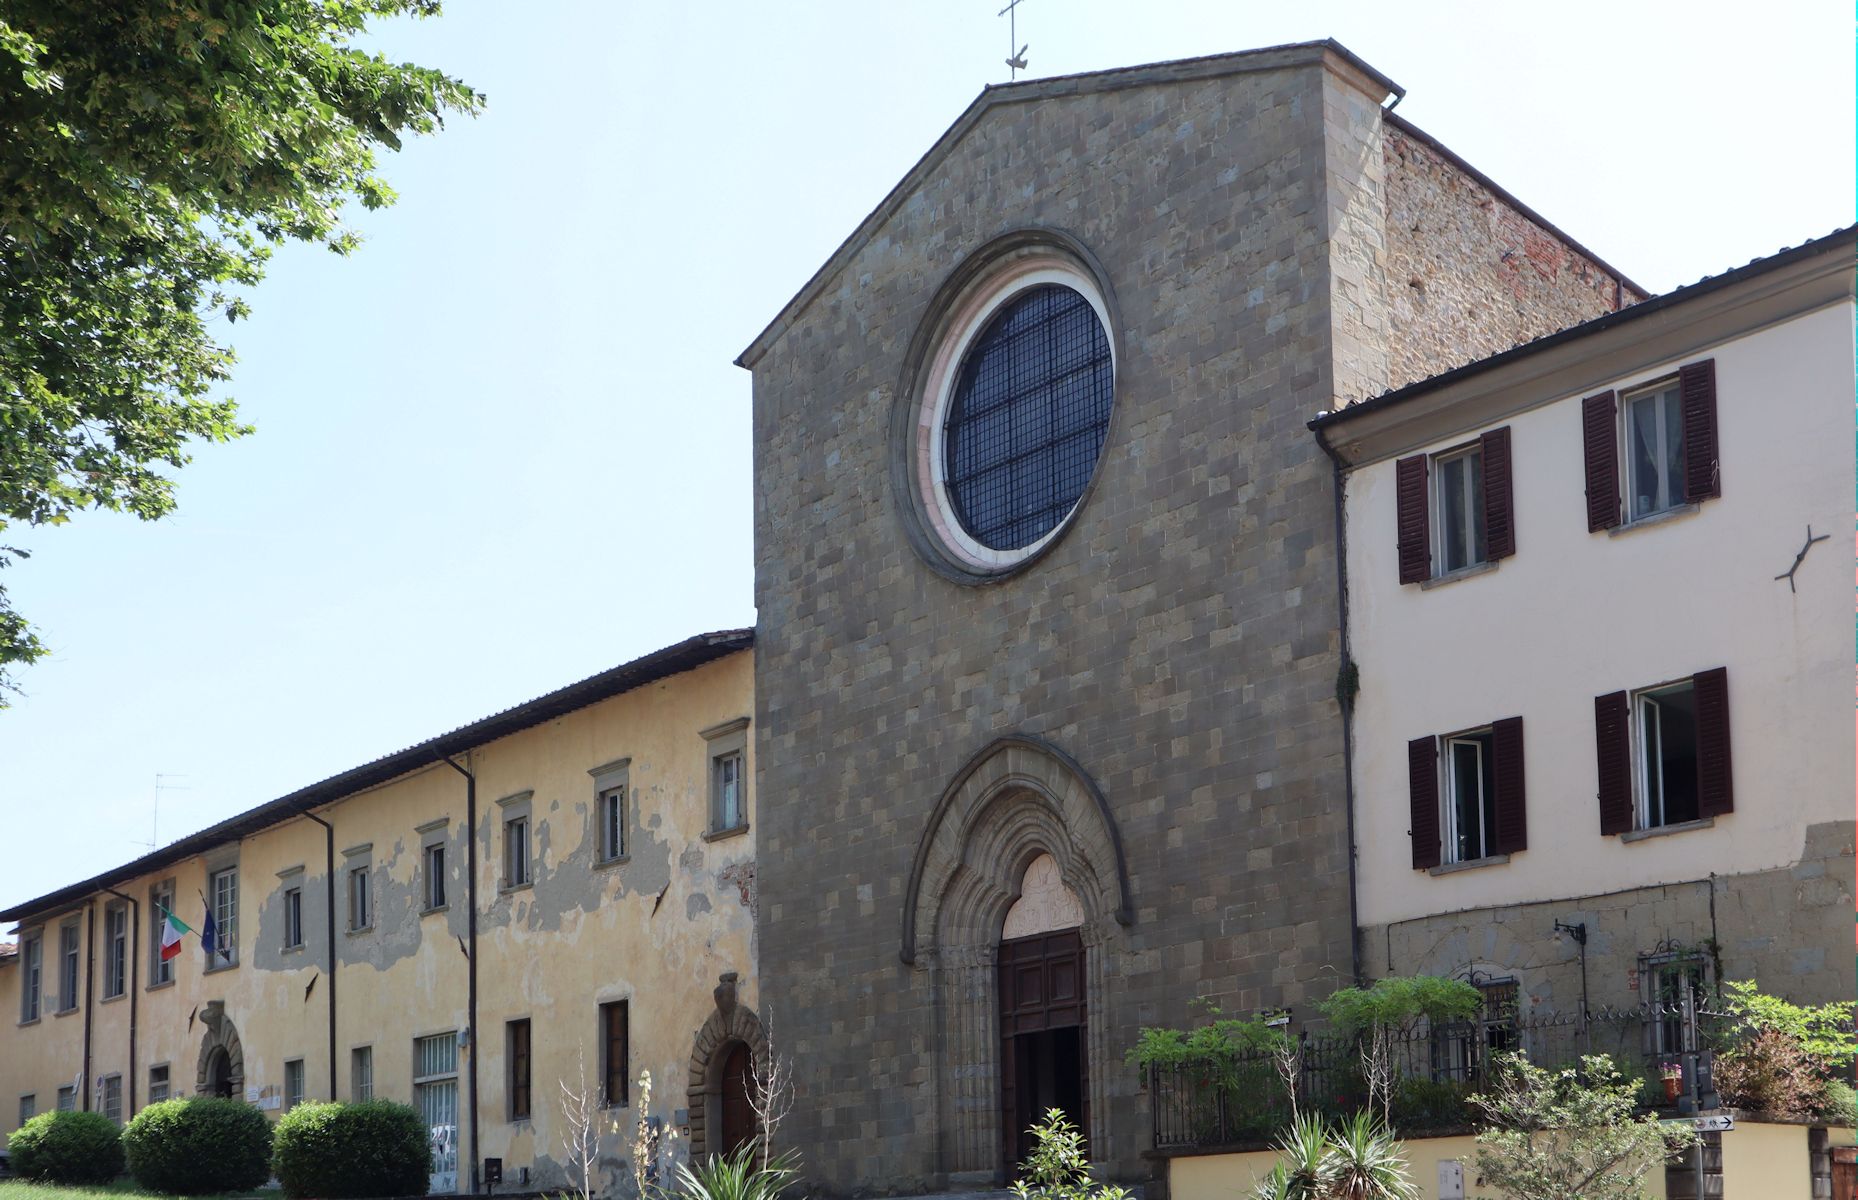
x=1673, y=1075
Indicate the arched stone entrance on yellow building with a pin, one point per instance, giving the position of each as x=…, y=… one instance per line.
x=222, y=1058
x=1020, y=815
x=730, y=1048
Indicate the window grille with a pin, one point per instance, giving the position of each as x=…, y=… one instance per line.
x=1030, y=411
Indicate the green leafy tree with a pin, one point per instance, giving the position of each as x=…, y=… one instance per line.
x=1058, y=1168
x=152, y=155
x=1572, y=1132
x=1783, y=1058
x=1388, y=1012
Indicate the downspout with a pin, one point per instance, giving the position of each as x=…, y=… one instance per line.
x=470, y=953
x=90, y=966
x=135, y=949
x=329, y=915
x=1345, y=689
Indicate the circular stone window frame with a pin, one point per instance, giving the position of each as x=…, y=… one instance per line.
x=961, y=311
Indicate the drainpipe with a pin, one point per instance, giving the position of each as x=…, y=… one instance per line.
x=1347, y=702
x=470, y=952
x=90, y=965
x=329, y=913
x=135, y=944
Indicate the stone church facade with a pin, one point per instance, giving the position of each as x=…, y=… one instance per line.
x=1135, y=685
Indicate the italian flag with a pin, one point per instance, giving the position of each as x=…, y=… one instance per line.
x=171, y=931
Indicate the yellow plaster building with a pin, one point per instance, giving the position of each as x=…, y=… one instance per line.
x=591, y=853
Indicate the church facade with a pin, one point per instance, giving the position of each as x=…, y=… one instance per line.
x=1048, y=644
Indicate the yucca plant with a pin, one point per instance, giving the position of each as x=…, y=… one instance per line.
x=1356, y=1160
x=738, y=1175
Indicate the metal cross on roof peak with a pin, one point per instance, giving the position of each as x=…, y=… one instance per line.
x=1016, y=61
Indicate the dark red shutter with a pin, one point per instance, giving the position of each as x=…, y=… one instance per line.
x=1415, y=525
x=1697, y=394
x=1600, y=443
x=1499, y=526
x=1613, y=751
x=1715, y=785
x=1506, y=743
x=1422, y=774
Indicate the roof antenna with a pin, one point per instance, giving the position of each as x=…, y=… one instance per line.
x=162, y=785
x=1017, y=62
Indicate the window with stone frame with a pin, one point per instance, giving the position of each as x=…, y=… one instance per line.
x=31, y=975
x=361, y=1074
x=728, y=759
x=68, y=948
x=115, y=951
x=160, y=904
x=293, y=1083
x=223, y=893
x=293, y=918
x=158, y=1082
x=110, y=1097
x=1673, y=982
x=28, y=1108
x=67, y=1098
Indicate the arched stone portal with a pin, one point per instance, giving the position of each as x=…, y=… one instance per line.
x=1018, y=800
x=732, y=1032
x=222, y=1059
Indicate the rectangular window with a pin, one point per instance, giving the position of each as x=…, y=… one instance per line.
x=361, y=1073
x=115, y=951
x=517, y=1039
x=225, y=894
x=1654, y=450
x=727, y=791
x=158, y=1083
x=516, y=852
x=614, y=1052
x=1665, y=733
x=293, y=918
x=67, y=1099
x=1673, y=986
x=1470, y=797
x=28, y=1109
x=435, y=877
x=1459, y=479
x=67, y=966
x=161, y=901
x=31, y=975
x=293, y=1083
x=358, y=899
x=110, y=1098
x=613, y=822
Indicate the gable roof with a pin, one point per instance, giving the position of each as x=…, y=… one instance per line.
x=995, y=95
x=672, y=660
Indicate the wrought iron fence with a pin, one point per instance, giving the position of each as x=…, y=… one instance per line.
x=1435, y=1069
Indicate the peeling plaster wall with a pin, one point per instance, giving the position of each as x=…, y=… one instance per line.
x=655, y=928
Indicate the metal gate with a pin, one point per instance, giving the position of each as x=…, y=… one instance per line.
x=435, y=1092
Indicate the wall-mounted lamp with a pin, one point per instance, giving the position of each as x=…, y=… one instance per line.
x=1577, y=931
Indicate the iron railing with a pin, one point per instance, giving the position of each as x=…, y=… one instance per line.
x=1435, y=1069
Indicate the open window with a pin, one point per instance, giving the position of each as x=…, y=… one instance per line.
x=1466, y=792
x=1663, y=754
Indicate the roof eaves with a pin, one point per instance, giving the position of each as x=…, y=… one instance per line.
x=1636, y=312
x=660, y=664
x=996, y=94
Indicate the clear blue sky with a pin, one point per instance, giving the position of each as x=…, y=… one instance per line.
x=504, y=447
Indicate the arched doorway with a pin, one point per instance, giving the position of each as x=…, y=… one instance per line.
x=219, y=1073
x=221, y=1070
x=736, y=1115
x=1044, y=1014
x=729, y=1048
x=1019, y=801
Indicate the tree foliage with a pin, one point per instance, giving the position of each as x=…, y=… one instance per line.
x=151, y=157
x=1400, y=1002
x=1058, y=1167
x=1783, y=1058
x=1571, y=1132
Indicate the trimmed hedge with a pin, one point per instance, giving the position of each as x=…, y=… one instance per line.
x=199, y=1146
x=67, y=1147
x=343, y=1151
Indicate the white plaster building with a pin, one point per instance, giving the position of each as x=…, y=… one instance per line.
x=1584, y=696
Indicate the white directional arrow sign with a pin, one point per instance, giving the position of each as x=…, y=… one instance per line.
x=1720, y=1123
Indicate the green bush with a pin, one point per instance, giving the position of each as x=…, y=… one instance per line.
x=198, y=1146
x=339, y=1151
x=67, y=1147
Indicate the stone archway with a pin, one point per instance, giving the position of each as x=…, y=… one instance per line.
x=1017, y=801
x=222, y=1058
x=731, y=1025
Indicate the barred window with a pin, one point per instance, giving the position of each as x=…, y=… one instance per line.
x=1028, y=417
